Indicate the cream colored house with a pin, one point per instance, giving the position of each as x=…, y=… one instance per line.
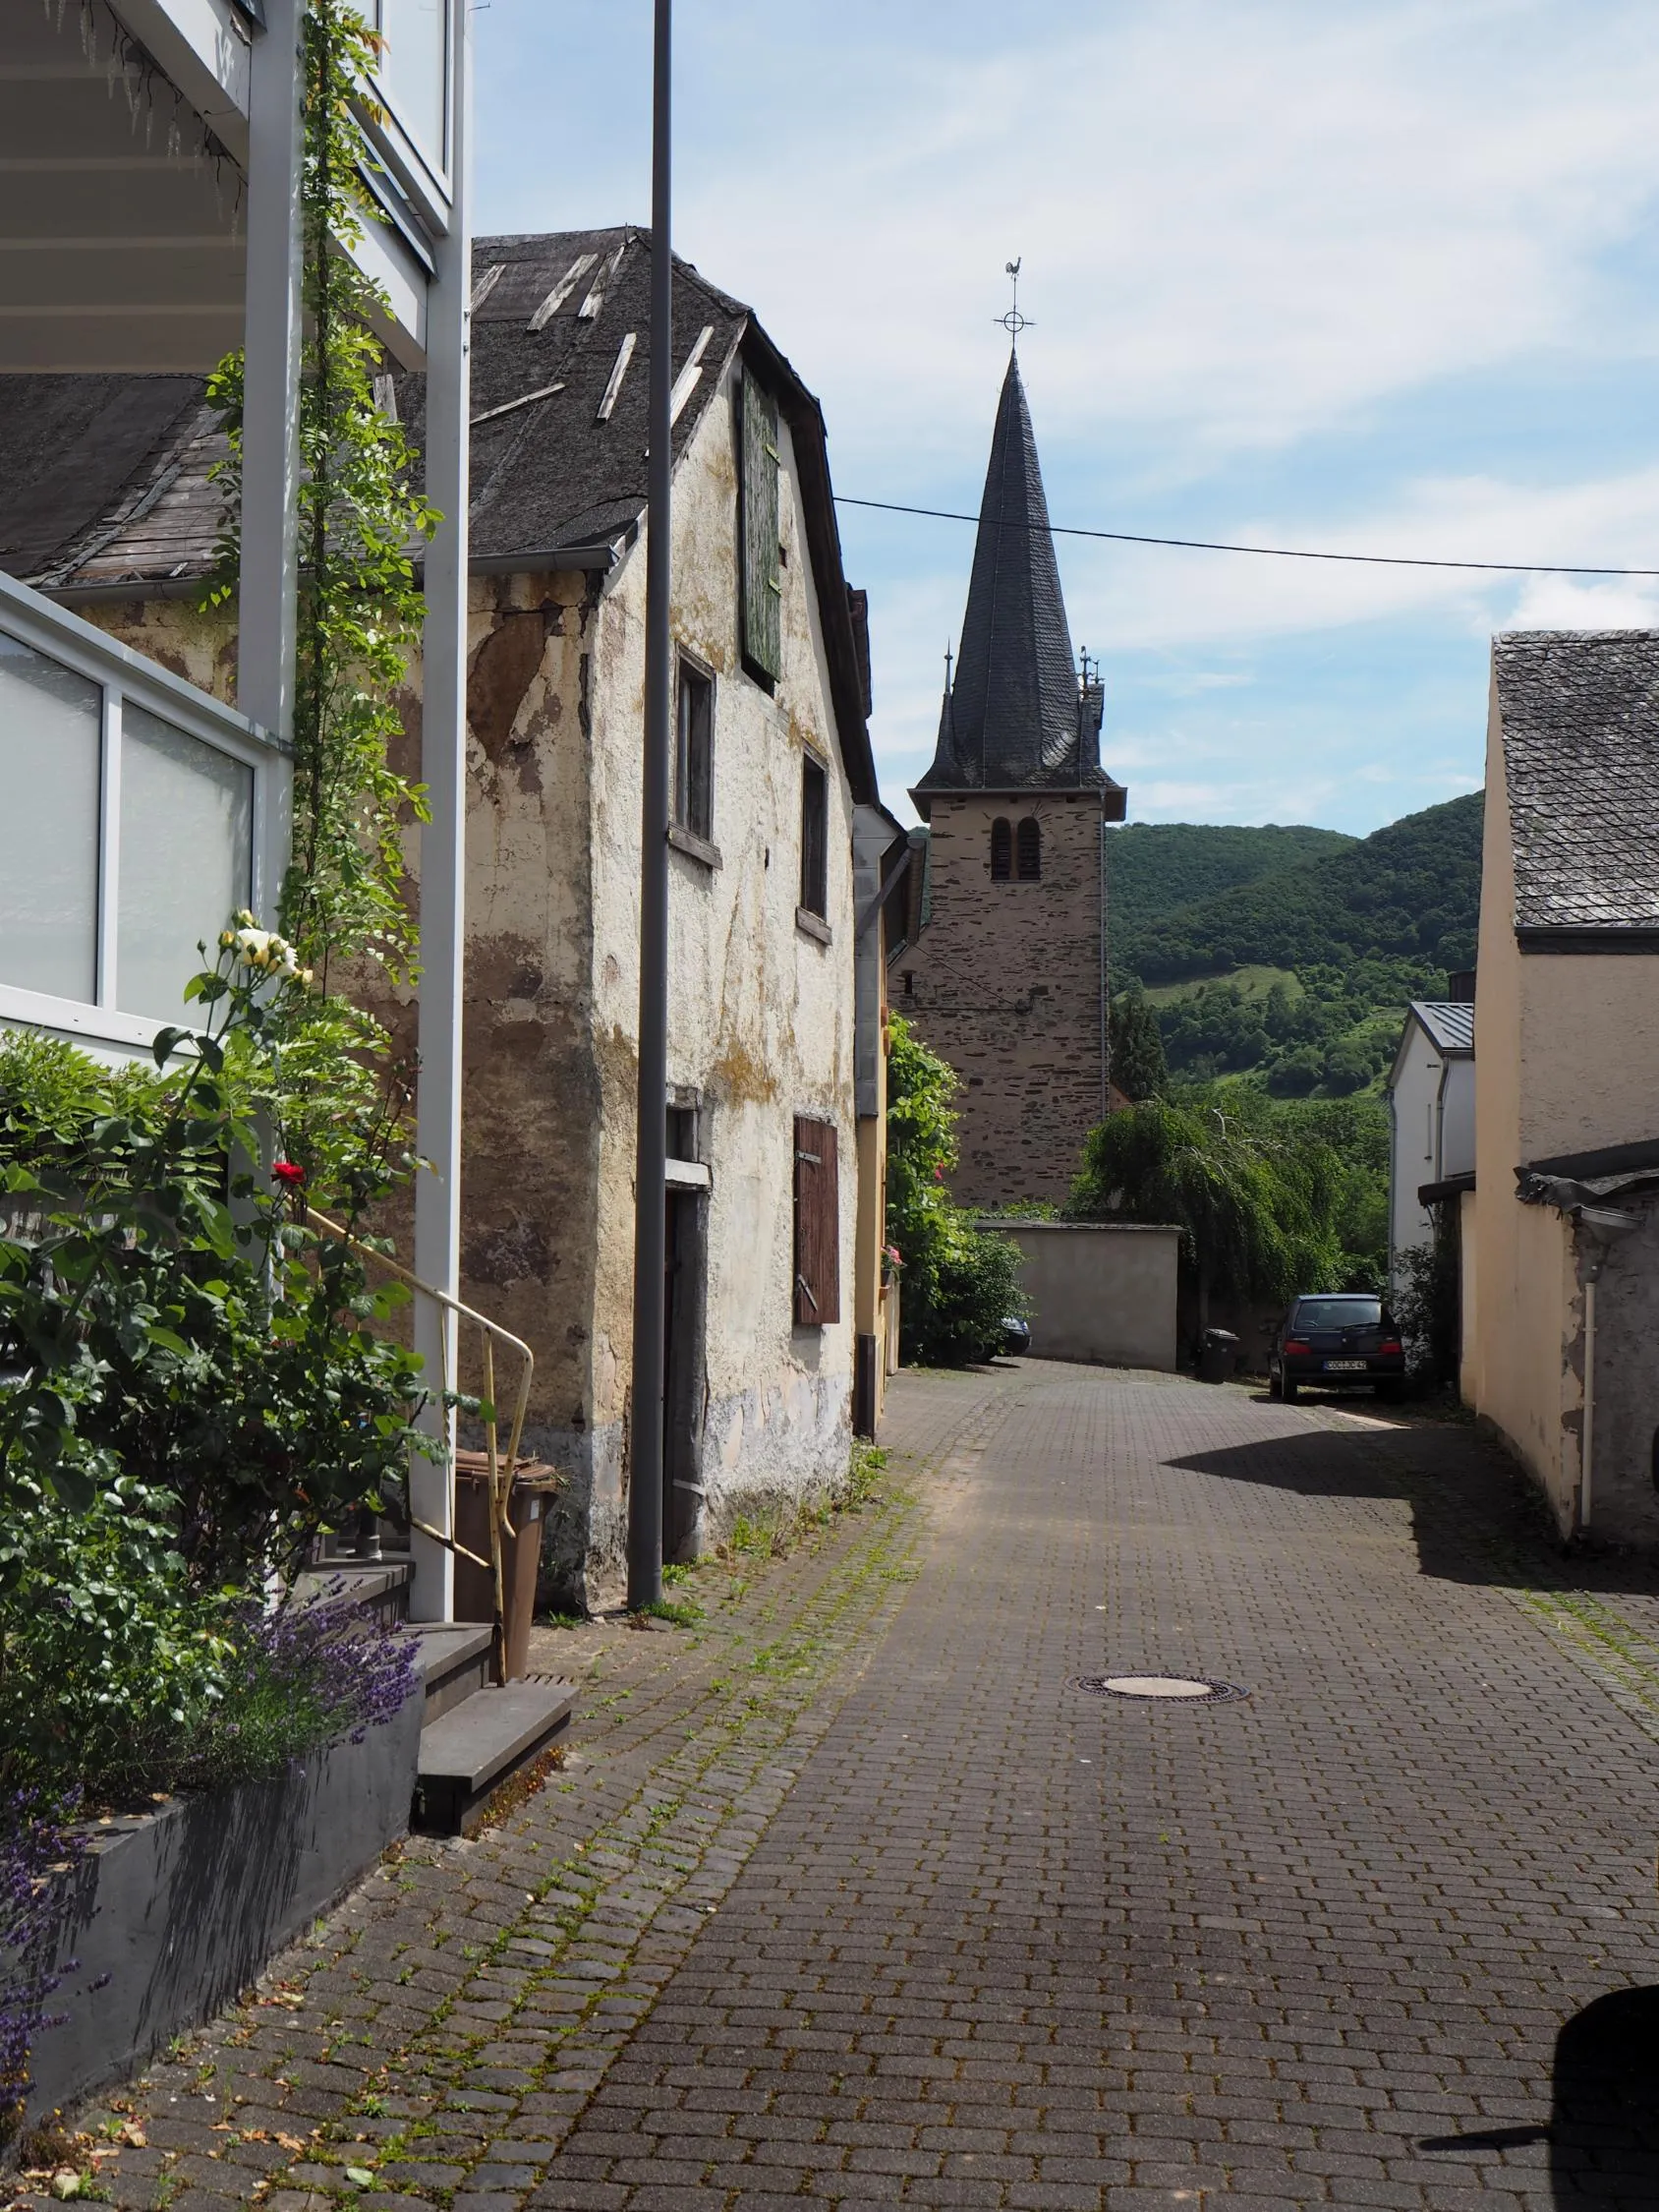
x=1561, y=1232
x=781, y=862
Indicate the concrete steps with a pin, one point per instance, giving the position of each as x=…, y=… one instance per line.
x=467, y=1752
x=454, y=1662
x=474, y=1735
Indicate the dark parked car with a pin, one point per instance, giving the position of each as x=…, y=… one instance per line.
x=1016, y=1334
x=1336, y=1339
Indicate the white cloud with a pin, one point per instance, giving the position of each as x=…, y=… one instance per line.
x=1247, y=219
x=1267, y=245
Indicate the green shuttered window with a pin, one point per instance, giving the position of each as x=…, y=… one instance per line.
x=761, y=586
x=818, y=1224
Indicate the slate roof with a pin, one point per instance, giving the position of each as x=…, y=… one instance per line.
x=86, y=461
x=1450, y=1028
x=104, y=480
x=106, y=476
x=1578, y=712
x=1014, y=715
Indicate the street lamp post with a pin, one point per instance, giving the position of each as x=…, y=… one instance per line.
x=645, y=1453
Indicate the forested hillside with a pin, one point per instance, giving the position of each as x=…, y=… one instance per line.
x=1154, y=866
x=1301, y=978
x=1411, y=892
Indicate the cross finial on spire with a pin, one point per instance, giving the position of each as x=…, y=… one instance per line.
x=1014, y=321
x=947, y=660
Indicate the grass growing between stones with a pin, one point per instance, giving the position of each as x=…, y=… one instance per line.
x=449, y=2065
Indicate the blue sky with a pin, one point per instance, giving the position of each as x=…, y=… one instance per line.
x=1379, y=276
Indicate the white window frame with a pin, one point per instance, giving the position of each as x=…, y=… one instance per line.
x=430, y=183
x=122, y=674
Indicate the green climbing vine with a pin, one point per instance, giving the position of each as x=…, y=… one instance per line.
x=361, y=520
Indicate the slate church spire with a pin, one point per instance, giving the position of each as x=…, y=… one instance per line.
x=1016, y=717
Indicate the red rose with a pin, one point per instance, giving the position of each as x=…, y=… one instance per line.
x=288, y=1173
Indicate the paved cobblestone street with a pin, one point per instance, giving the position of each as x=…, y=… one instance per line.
x=847, y=1894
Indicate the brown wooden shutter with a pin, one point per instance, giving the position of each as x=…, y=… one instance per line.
x=818, y=1224
x=761, y=586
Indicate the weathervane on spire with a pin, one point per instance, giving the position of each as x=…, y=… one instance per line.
x=1014, y=321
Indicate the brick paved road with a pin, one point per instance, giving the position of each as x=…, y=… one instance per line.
x=1384, y=1934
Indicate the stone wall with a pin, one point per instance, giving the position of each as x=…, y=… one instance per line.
x=1004, y=982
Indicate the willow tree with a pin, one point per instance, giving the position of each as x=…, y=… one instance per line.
x=1254, y=1202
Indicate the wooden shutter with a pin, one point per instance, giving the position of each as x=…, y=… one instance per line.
x=818, y=1224
x=761, y=586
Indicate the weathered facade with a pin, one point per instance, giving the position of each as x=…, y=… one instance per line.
x=1559, y=1243
x=780, y=855
x=1003, y=965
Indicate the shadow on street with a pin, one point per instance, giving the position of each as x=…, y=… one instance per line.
x=1475, y=1517
x=1604, y=2117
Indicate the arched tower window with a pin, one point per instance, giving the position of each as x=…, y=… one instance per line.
x=1028, y=849
x=1001, y=850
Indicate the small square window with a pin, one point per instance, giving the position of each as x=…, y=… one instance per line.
x=815, y=836
x=694, y=753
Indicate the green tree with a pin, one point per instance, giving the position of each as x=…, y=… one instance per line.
x=1137, y=1047
x=958, y=1283
x=1255, y=1202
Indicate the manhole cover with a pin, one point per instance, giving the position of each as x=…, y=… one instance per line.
x=1195, y=1689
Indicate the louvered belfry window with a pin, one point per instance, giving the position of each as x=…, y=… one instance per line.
x=818, y=1224
x=1028, y=849
x=1001, y=849
x=761, y=586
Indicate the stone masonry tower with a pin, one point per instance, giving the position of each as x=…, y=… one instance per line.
x=1004, y=968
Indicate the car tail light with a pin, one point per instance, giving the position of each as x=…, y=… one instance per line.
x=1391, y=1347
x=1295, y=1344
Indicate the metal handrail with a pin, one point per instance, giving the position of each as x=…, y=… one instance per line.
x=500, y=1485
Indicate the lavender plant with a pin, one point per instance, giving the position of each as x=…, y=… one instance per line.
x=37, y=1848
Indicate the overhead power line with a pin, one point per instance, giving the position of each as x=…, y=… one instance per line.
x=1272, y=553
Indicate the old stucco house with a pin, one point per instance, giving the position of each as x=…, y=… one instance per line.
x=1560, y=1231
x=781, y=863
x=1003, y=965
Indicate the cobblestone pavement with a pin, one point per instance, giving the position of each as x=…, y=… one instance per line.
x=850, y=1895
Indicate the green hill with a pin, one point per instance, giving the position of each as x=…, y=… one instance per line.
x=1300, y=977
x=1154, y=866
x=1409, y=892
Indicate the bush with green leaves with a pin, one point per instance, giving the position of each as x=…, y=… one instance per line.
x=1426, y=1304
x=958, y=1284
x=169, y=1311
x=120, y=1677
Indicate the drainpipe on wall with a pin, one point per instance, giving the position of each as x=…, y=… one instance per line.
x=1597, y=1228
x=645, y=1435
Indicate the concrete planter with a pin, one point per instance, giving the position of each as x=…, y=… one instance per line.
x=172, y=1914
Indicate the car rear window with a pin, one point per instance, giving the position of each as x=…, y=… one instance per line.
x=1339, y=1313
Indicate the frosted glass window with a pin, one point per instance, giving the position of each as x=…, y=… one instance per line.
x=187, y=843
x=413, y=68
x=50, y=758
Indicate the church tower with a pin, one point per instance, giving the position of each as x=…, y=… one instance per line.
x=1004, y=968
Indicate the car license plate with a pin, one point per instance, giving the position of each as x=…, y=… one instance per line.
x=1347, y=1366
